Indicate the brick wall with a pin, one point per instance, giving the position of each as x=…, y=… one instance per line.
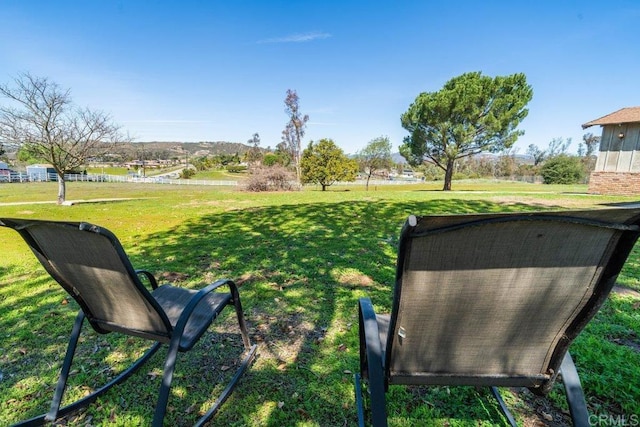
x=622, y=183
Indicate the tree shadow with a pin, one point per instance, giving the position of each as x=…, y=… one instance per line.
x=302, y=268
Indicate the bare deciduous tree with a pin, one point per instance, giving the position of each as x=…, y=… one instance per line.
x=591, y=143
x=294, y=130
x=254, y=154
x=43, y=119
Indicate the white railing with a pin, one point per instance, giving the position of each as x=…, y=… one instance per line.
x=129, y=178
x=374, y=182
x=161, y=180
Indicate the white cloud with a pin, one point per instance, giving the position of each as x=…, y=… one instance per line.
x=298, y=38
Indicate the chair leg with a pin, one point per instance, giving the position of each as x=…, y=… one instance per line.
x=377, y=403
x=573, y=390
x=235, y=296
x=241, y=323
x=66, y=368
x=503, y=407
x=227, y=391
x=359, y=399
x=167, y=378
x=57, y=412
x=246, y=361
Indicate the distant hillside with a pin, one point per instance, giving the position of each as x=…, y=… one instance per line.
x=398, y=159
x=154, y=149
x=519, y=158
x=193, y=148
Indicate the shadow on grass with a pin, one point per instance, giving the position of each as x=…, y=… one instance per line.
x=302, y=268
x=30, y=308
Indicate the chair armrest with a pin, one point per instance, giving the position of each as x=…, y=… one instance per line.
x=150, y=277
x=371, y=360
x=370, y=346
x=196, y=298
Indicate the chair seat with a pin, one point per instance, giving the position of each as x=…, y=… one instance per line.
x=173, y=301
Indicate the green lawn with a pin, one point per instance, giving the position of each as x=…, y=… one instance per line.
x=303, y=259
x=220, y=175
x=108, y=170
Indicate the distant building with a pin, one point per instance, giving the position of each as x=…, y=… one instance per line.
x=41, y=173
x=5, y=172
x=617, y=170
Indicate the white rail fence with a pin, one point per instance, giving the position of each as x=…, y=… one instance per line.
x=131, y=178
x=22, y=177
x=164, y=180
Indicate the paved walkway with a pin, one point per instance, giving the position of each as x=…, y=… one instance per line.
x=71, y=202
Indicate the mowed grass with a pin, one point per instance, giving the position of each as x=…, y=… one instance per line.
x=303, y=260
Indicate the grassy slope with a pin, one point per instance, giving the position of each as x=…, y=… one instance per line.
x=304, y=259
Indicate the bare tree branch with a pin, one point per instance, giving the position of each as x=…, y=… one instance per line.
x=44, y=120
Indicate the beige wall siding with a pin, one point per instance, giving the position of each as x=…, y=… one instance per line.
x=619, y=154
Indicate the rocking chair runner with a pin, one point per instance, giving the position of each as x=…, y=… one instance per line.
x=493, y=300
x=91, y=265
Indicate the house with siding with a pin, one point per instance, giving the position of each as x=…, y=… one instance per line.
x=5, y=172
x=41, y=173
x=617, y=169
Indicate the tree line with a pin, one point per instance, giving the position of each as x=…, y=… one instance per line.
x=447, y=130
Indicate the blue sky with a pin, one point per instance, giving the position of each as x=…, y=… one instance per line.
x=219, y=70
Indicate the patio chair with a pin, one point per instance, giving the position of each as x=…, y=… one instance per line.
x=90, y=264
x=492, y=300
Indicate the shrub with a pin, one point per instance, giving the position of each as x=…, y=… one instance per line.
x=273, y=178
x=236, y=168
x=562, y=169
x=433, y=173
x=187, y=173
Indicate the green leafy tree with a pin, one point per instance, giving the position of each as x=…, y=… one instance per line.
x=375, y=157
x=470, y=114
x=227, y=159
x=201, y=163
x=562, y=169
x=42, y=118
x=23, y=155
x=325, y=163
x=187, y=173
x=278, y=158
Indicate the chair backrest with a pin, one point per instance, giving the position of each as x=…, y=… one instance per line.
x=496, y=299
x=90, y=264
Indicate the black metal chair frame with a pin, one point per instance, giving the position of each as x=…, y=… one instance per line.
x=174, y=338
x=375, y=357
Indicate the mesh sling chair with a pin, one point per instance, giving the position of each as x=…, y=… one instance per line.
x=91, y=265
x=492, y=300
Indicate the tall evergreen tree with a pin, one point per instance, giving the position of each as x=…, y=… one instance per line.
x=470, y=114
